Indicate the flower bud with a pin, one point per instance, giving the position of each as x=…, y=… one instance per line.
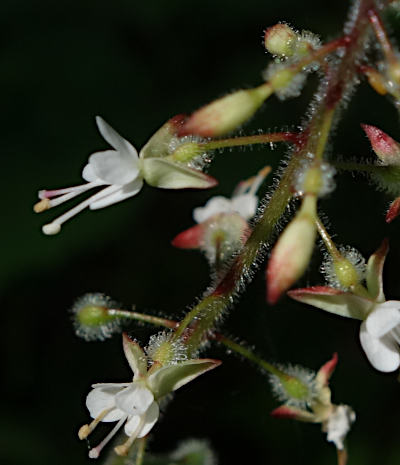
x=292, y=252
x=294, y=385
x=92, y=319
x=280, y=40
x=346, y=270
x=165, y=350
x=386, y=148
x=225, y=114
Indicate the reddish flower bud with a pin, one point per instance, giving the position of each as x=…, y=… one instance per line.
x=386, y=148
x=292, y=252
x=225, y=114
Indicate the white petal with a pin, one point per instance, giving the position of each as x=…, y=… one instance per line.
x=383, y=353
x=141, y=425
x=245, y=205
x=103, y=398
x=215, y=205
x=126, y=191
x=338, y=424
x=135, y=399
x=151, y=417
x=132, y=425
x=88, y=174
x=114, y=139
x=112, y=167
x=384, y=318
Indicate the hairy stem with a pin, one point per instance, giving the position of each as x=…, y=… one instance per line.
x=339, y=81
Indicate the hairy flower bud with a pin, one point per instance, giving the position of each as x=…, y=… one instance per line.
x=225, y=114
x=345, y=271
x=280, y=40
x=386, y=148
x=292, y=252
x=92, y=319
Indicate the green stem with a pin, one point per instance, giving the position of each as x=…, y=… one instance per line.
x=141, y=451
x=348, y=166
x=154, y=320
x=248, y=140
x=244, y=352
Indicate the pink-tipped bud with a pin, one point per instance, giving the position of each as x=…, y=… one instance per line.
x=292, y=252
x=225, y=114
x=386, y=148
x=280, y=40
x=394, y=210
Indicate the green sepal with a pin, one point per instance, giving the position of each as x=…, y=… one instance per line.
x=158, y=145
x=162, y=173
x=375, y=270
x=136, y=357
x=334, y=301
x=169, y=378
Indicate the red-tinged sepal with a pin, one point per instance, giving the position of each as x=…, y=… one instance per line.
x=169, y=378
x=293, y=413
x=374, y=272
x=386, y=148
x=325, y=372
x=159, y=143
x=393, y=211
x=191, y=238
x=334, y=301
x=164, y=174
x=135, y=356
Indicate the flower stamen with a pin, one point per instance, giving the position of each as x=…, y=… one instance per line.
x=85, y=430
x=55, y=226
x=123, y=449
x=94, y=453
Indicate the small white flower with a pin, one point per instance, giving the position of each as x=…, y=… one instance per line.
x=338, y=424
x=129, y=403
x=243, y=201
x=117, y=169
x=135, y=404
x=380, y=336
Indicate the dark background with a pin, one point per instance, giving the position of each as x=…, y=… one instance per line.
x=137, y=64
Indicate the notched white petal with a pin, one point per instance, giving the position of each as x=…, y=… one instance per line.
x=215, y=205
x=384, y=318
x=113, y=168
x=114, y=139
x=123, y=193
x=245, y=205
x=135, y=399
x=102, y=398
x=382, y=353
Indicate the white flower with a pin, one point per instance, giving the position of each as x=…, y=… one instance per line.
x=338, y=424
x=135, y=404
x=117, y=169
x=380, y=336
x=243, y=201
x=129, y=403
x=122, y=170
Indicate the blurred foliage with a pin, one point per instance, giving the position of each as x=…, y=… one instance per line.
x=137, y=64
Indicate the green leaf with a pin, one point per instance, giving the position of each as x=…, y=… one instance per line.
x=165, y=174
x=334, y=301
x=136, y=357
x=171, y=377
x=375, y=270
